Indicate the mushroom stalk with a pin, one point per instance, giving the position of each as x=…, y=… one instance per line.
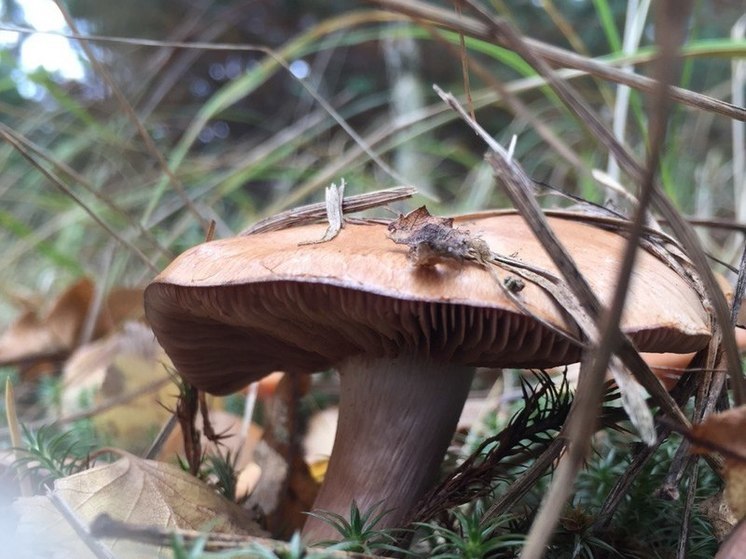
x=396, y=419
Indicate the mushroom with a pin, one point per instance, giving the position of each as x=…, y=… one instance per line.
x=669, y=367
x=404, y=339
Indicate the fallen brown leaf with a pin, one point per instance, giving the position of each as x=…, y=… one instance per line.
x=723, y=433
x=715, y=508
x=733, y=547
x=124, y=363
x=430, y=239
x=38, y=335
x=131, y=490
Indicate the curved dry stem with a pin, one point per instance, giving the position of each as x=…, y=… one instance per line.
x=396, y=419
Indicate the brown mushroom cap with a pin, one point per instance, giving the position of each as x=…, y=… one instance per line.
x=230, y=311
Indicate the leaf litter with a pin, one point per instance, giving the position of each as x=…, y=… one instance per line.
x=132, y=490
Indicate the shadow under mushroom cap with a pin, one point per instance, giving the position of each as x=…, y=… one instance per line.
x=230, y=311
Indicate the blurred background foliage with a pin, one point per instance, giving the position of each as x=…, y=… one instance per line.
x=245, y=138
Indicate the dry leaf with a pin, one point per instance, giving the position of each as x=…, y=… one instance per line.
x=723, y=432
x=36, y=335
x=733, y=547
x=123, y=304
x=716, y=510
x=430, y=239
x=33, y=336
x=132, y=490
x=122, y=364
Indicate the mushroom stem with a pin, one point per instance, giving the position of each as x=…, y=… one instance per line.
x=396, y=419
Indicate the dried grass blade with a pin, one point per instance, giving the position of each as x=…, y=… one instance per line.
x=526, y=482
x=514, y=103
x=339, y=119
x=632, y=395
x=690, y=242
x=590, y=385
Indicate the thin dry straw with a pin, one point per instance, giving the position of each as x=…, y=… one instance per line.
x=514, y=103
x=739, y=164
x=315, y=212
x=636, y=15
x=738, y=93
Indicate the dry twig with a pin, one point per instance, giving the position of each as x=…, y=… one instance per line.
x=104, y=526
x=313, y=213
